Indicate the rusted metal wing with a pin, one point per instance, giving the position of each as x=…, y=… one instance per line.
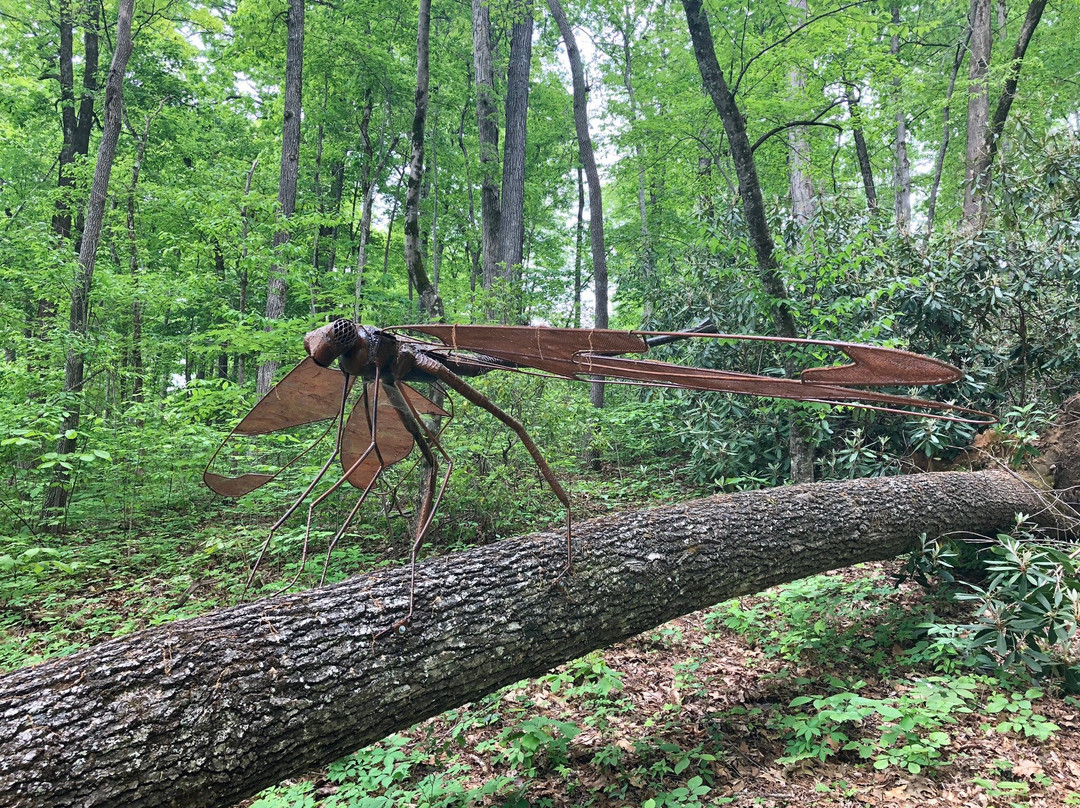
x=306, y=395
x=394, y=441
x=581, y=353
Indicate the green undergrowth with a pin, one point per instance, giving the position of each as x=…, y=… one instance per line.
x=838, y=678
x=847, y=684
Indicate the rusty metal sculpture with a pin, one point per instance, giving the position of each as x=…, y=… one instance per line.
x=387, y=421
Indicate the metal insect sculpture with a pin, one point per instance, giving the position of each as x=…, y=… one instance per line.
x=387, y=418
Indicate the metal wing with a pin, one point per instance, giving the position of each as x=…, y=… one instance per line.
x=393, y=440
x=308, y=394
x=578, y=353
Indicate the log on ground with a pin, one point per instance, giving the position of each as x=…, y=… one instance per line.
x=207, y=711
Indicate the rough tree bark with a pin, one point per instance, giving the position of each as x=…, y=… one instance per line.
x=742, y=155
x=512, y=217
x=290, y=172
x=204, y=712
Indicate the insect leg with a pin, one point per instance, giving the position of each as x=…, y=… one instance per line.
x=459, y=385
x=292, y=508
x=426, y=439
x=373, y=410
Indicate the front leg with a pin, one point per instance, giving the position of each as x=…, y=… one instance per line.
x=436, y=369
x=430, y=495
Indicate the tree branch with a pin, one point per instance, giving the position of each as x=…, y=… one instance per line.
x=792, y=124
x=207, y=711
x=789, y=35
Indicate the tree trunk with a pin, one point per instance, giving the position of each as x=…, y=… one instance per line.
x=369, y=177
x=627, y=34
x=800, y=184
x=512, y=216
x=207, y=711
x=290, y=172
x=241, y=361
x=866, y=170
x=985, y=159
x=488, y=127
x=579, y=233
x=596, y=205
x=978, y=112
x=901, y=163
x=76, y=126
x=984, y=133
x=56, y=496
x=136, y=357
x=471, y=250
x=430, y=301
x=753, y=207
x=939, y=163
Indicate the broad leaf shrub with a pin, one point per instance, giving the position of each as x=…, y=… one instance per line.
x=1025, y=615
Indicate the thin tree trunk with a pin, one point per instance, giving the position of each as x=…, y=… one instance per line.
x=133, y=256
x=800, y=183
x=753, y=205
x=512, y=216
x=75, y=363
x=430, y=301
x=369, y=177
x=946, y=130
x=76, y=126
x=488, y=129
x=978, y=113
x=277, y=287
x=901, y=163
x=390, y=227
x=221, y=369
x=579, y=234
x=208, y=711
x=866, y=170
x=434, y=248
x=985, y=161
x=596, y=205
x=240, y=361
x=473, y=251
x=647, y=260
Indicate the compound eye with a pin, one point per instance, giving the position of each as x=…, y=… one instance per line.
x=332, y=340
x=344, y=335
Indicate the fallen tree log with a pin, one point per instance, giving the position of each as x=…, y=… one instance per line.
x=207, y=711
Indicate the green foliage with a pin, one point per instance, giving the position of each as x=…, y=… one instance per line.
x=811, y=619
x=587, y=676
x=1025, y=616
x=903, y=732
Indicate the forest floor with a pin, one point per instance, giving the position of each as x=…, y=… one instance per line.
x=815, y=694
x=830, y=691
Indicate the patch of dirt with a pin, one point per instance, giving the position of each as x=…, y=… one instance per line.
x=1059, y=449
